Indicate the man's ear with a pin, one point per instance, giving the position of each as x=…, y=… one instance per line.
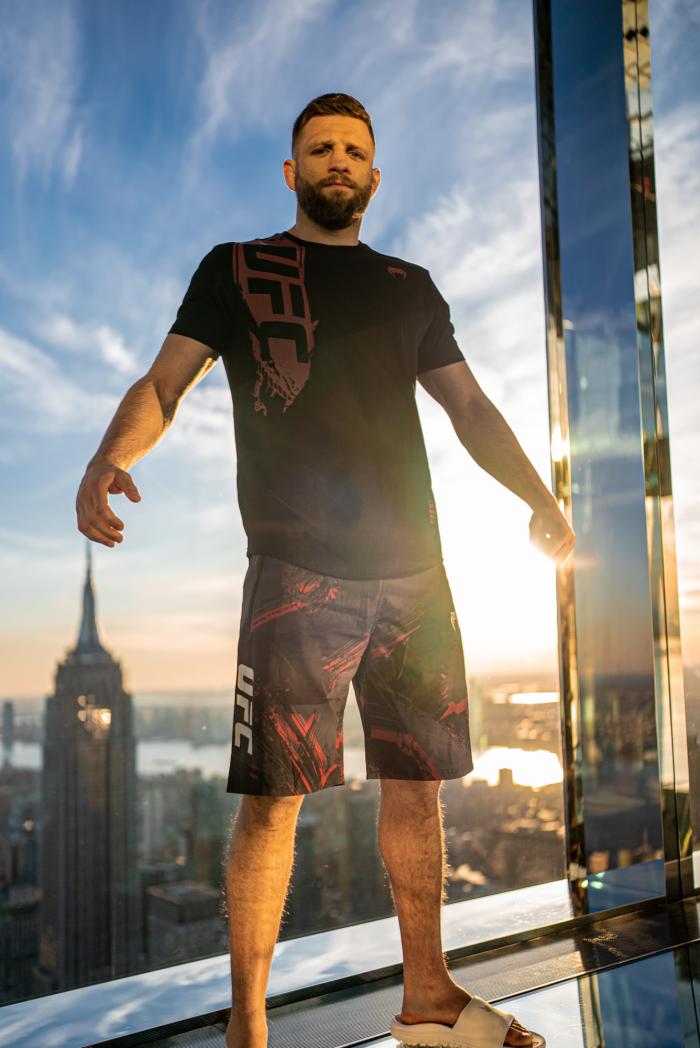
x=289, y=171
x=376, y=179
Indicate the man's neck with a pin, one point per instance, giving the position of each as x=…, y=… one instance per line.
x=348, y=237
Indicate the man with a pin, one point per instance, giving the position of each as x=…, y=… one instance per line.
x=322, y=339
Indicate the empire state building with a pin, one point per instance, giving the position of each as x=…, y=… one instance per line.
x=90, y=920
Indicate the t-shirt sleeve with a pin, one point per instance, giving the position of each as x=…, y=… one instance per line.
x=206, y=312
x=438, y=346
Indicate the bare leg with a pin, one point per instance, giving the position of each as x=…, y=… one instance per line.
x=412, y=845
x=260, y=862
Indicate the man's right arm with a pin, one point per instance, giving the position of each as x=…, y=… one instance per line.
x=144, y=414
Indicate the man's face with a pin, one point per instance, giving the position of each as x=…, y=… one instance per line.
x=333, y=149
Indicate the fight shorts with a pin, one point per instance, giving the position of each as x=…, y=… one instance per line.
x=304, y=637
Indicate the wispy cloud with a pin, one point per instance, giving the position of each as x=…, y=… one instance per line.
x=203, y=426
x=481, y=243
x=40, y=67
x=37, y=390
x=248, y=63
x=677, y=166
x=47, y=400
x=245, y=64
x=60, y=330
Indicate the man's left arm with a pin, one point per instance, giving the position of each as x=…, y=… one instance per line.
x=491, y=442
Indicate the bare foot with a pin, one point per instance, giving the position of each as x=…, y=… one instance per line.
x=447, y=1011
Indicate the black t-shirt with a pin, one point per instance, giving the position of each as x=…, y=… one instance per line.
x=322, y=344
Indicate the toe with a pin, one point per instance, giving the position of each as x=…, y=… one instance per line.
x=518, y=1036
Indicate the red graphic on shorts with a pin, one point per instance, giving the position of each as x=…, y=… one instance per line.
x=455, y=708
x=385, y=651
x=344, y=662
x=410, y=747
x=299, y=595
x=270, y=275
x=306, y=754
x=274, y=612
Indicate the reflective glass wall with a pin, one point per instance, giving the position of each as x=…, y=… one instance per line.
x=116, y=835
x=675, y=38
x=624, y=729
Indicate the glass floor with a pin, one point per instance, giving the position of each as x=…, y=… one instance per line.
x=628, y=982
x=650, y=1003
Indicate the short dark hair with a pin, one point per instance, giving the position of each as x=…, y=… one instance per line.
x=326, y=105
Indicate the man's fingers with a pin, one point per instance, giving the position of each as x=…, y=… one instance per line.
x=103, y=509
x=96, y=535
x=556, y=553
x=101, y=504
x=100, y=513
x=123, y=484
x=92, y=521
x=117, y=480
x=96, y=520
x=564, y=552
x=104, y=529
x=552, y=535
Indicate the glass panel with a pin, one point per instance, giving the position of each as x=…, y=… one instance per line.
x=606, y=383
x=675, y=36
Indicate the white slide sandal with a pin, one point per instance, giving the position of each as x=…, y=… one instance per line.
x=479, y=1025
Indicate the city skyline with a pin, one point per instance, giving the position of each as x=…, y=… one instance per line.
x=122, y=183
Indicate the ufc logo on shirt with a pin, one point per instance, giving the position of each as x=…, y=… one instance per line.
x=243, y=729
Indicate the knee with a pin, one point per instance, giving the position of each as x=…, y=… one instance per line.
x=270, y=811
x=410, y=795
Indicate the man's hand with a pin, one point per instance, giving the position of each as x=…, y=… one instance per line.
x=95, y=518
x=551, y=533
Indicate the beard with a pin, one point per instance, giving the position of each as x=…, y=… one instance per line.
x=331, y=208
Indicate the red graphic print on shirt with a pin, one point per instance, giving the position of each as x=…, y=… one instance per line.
x=270, y=275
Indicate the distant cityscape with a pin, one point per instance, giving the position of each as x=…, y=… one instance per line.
x=115, y=821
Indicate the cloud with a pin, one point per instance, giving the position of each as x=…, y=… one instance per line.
x=61, y=330
x=38, y=397
x=203, y=426
x=481, y=244
x=677, y=167
x=246, y=64
x=40, y=63
x=48, y=402
x=249, y=61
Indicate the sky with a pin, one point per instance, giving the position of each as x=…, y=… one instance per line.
x=135, y=137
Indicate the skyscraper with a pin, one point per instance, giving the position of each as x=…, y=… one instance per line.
x=90, y=927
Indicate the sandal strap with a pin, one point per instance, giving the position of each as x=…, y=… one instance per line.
x=484, y=1025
